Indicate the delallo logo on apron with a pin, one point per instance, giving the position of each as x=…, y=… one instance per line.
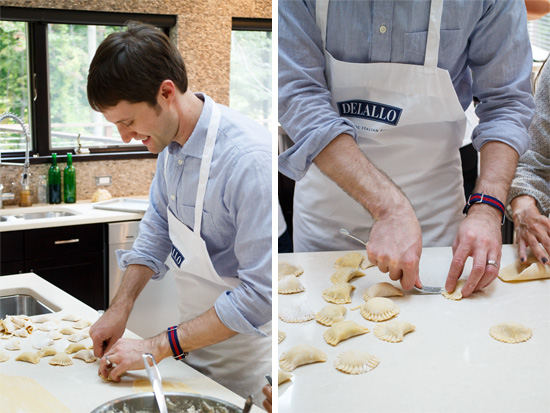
x=370, y=110
x=177, y=256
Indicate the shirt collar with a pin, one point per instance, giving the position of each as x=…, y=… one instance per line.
x=195, y=144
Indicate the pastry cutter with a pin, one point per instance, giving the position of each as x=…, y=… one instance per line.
x=156, y=381
x=424, y=290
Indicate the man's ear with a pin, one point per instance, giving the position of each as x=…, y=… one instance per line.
x=167, y=91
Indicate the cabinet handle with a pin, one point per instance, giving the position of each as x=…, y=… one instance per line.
x=67, y=241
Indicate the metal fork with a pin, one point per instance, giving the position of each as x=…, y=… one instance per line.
x=348, y=234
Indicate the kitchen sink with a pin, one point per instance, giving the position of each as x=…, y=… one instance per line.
x=36, y=215
x=18, y=304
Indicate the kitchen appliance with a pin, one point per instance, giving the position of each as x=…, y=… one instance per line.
x=156, y=307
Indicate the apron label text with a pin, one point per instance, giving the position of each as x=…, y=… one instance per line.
x=177, y=256
x=370, y=110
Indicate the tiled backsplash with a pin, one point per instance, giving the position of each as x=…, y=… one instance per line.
x=129, y=178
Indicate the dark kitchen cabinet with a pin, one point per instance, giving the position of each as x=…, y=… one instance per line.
x=72, y=258
x=12, y=252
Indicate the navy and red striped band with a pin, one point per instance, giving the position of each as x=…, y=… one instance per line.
x=175, y=344
x=484, y=199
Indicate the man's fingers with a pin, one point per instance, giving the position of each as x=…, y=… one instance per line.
x=103, y=368
x=116, y=372
x=384, y=269
x=457, y=266
x=396, y=274
x=410, y=273
x=482, y=277
x=488, y=278
x=479, y=267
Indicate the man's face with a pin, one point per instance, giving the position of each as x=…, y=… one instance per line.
x=141, y=122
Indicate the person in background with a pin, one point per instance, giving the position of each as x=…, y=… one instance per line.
x=529, y=196
x=537, y=9
x=209, y=220
x=373, y=95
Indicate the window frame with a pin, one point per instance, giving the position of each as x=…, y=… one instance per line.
x=37, y=43
x=251, y=24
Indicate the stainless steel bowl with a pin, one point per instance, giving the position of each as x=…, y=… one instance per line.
x=176, y=402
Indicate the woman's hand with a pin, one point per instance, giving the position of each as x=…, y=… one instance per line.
x=532, y=229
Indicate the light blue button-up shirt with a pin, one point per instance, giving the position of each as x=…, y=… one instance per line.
x=237, y=213
x=484, y=45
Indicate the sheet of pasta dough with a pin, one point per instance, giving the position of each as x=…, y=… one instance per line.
x=529, y=270
x=23, y=394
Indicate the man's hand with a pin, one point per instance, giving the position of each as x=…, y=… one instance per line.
x=106, y=331
x=395, y=241
x=532, y=229
x=480, y=237
x=395, y=246
x=110, y=327
x=126, y=354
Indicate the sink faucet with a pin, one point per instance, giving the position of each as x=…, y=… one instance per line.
x=25, y=191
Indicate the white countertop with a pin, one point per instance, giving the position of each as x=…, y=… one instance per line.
x=84, y=211
x=449, y=364
x=78, y=386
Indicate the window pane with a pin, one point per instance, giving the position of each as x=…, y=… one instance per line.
x=14, y=87
x=251, y=75
x=71, y=49
x=539, y=33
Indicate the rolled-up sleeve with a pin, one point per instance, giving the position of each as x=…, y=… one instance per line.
x=501, y=63
x=152, y=246
x=248, y=306
x=305, y=110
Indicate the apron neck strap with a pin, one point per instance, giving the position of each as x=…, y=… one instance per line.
x=432, y=43
x=434, y=26
x=207, y=153
x=206, y=161
x=321, y=15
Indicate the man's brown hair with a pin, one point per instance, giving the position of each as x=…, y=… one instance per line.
x=131, y=65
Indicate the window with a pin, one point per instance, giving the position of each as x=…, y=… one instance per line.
x=44, y=60
x=250, y=76
x=539, y=33
x=14, y=84
x=70, y=52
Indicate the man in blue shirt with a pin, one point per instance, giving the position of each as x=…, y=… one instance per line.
x=209, y=220
x=373, y=95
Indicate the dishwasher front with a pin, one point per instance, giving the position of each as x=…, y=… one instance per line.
x=156, y=308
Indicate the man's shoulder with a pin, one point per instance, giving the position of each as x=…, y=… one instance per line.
x=242, y=135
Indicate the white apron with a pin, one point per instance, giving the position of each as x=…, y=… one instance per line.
x=410, y=124
x=240, y=362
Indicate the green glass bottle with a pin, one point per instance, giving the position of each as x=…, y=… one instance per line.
x=54, y=182
x=69, y=181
